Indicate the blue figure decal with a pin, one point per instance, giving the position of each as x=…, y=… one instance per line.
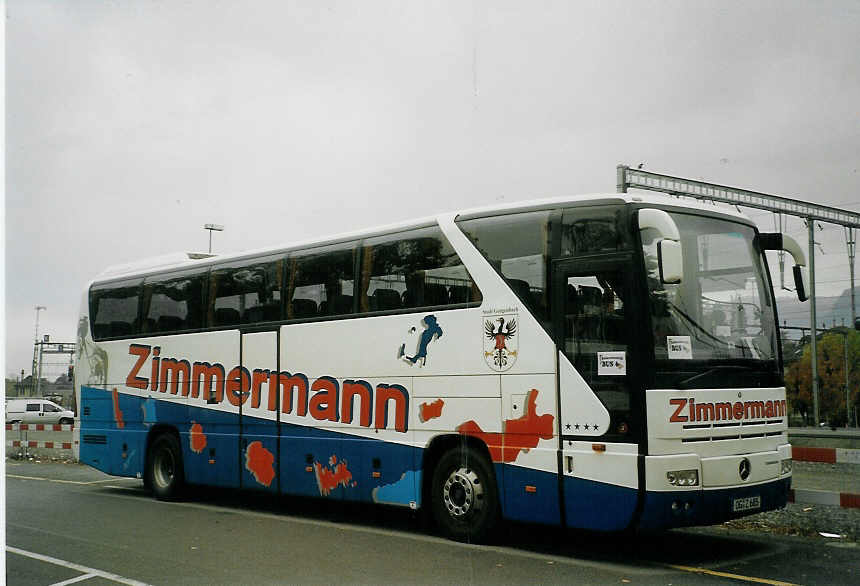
x=149, y=411
x=431, y=331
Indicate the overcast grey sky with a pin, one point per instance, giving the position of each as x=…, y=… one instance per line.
x=131, y=124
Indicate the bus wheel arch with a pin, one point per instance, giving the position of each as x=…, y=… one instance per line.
x=460, y=487
x=164, y=471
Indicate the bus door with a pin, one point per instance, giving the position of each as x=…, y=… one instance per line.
x=259, y=412
x=214, y=427
x=594, y=328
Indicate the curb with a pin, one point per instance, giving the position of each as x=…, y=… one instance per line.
x=826, y=455
x=806, y=496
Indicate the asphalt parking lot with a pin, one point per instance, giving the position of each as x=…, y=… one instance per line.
x=67, y=523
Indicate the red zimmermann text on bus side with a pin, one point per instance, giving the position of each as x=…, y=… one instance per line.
x=240, y=385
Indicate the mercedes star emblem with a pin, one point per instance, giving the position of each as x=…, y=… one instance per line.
x=744, y=469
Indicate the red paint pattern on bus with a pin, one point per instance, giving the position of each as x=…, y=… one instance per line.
x=430, y=411
x=331, y=476
x=198, y=438
x=117, y=413
x=518, y=435
x=259, y=462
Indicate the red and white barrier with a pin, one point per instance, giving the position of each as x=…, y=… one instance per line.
x=25, y=431
x=38, y=427
x=35, y=444
x=807, y=496
x=826, y=455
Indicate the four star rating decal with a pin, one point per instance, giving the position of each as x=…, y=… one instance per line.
x=584, y=426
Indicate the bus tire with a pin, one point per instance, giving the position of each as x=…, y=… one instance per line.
x=464, y=498
x=164, y=472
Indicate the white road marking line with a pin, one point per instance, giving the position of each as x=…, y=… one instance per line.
x=74, y=566
x=80, y=482
x=80, y=578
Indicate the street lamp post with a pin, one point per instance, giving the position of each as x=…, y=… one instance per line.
x=41, y=358
x=212, y=228
x=35, y=346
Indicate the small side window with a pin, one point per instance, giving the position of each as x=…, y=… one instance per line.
x=591, y=230
x=33, y=406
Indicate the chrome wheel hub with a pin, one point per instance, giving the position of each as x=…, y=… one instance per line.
x=164, y=468
x=462, y=492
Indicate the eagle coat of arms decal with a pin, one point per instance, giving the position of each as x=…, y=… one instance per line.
x=500, y=341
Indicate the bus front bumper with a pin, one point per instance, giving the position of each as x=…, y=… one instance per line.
x=664, y=510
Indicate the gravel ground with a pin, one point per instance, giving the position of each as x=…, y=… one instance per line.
x=806, y=521
x=812, y=520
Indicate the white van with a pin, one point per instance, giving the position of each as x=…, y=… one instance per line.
x=36, y=411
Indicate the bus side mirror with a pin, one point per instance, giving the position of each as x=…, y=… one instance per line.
x=670, y=261
x=801, y=282
x=669, y=256
x=780, y=241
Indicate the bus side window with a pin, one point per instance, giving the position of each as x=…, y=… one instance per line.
x=114, y=309
x=320, y=281
x=589, y=230
x=517, y=246
x=173, y=302
x=245, y=293
x=410, y=270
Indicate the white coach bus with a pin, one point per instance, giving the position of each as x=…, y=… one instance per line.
x=601, y=362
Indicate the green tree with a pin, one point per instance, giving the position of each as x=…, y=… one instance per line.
x=832, y=364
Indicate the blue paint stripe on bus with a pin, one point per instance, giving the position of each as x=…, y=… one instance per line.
x=597, y=505
x=305, y=451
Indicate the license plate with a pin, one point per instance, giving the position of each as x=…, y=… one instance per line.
x=746, y=504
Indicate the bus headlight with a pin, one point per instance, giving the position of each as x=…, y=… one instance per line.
x=683, y=477
x=785, y=467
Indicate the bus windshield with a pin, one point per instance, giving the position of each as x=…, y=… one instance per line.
x=717, y=325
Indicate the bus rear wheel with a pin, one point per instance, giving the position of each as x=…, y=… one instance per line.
x=164, y=472
x=464, y=498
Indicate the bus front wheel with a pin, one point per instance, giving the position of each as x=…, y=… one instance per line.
x=164, y=472
x=464, y=498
